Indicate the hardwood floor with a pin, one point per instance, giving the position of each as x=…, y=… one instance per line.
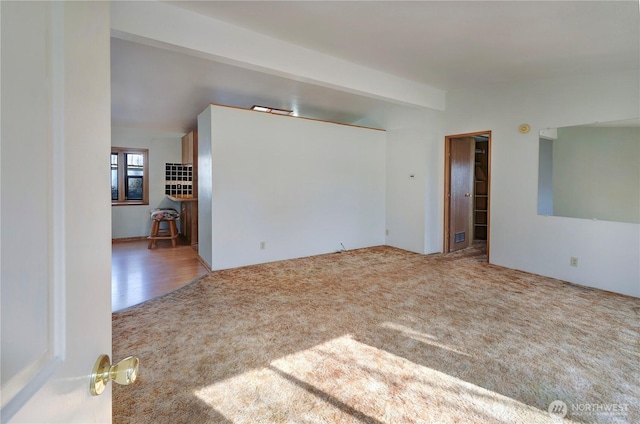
x=139, y=274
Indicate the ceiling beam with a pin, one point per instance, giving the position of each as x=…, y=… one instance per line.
x=167, y=26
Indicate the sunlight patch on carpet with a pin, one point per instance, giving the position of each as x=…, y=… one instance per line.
x=350, y=381
x=421, y=337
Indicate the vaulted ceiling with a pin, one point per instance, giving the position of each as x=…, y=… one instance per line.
x=448, y=45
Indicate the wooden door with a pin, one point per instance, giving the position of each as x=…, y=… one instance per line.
x=461, y=160
x=56, y=240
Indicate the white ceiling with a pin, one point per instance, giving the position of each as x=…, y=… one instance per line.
x=164, y=90
x=448, y=45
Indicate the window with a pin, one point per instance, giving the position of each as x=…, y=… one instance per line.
x=129, y=176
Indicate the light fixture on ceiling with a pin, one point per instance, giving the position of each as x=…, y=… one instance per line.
x=271, y=110
x=260, y=108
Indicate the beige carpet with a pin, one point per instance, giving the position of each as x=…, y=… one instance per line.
x=380, y=335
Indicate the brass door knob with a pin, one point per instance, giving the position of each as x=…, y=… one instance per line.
x=124, y=372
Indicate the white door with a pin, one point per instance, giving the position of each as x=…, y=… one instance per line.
x=55, y=211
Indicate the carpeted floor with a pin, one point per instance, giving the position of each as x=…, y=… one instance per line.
x=380, y=335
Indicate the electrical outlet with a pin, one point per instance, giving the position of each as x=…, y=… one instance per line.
x=387, y=232
x=573, y=261
x=263, y=245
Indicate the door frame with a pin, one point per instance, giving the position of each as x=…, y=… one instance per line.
x=447, y=186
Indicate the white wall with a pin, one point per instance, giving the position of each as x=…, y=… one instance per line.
x=596, y=173
x=301, y=186
x=608, y=252
x=164, y=147
x=205, y=187
x=413, y=204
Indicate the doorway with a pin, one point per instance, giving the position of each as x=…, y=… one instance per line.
x=467, y=191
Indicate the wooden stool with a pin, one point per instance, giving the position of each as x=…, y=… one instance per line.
x=163, y=215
